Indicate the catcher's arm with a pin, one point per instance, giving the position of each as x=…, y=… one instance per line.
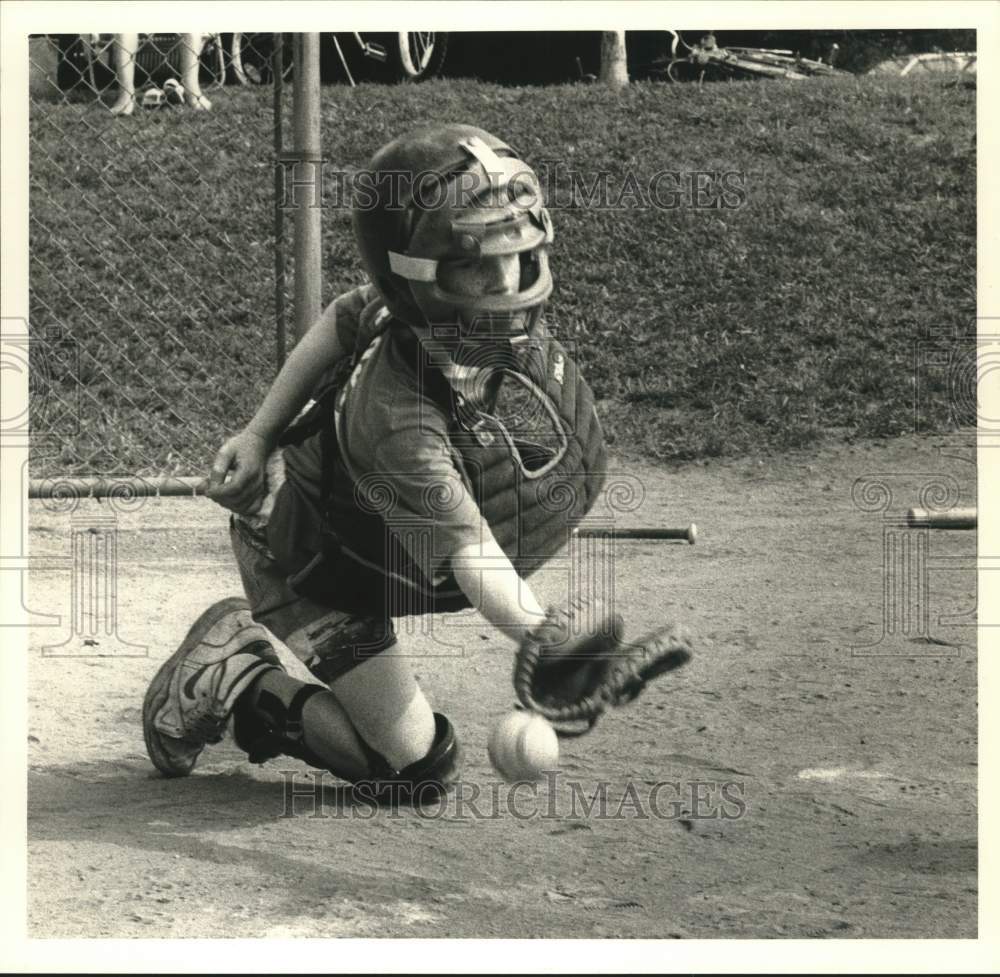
x=237, y=479
x=495, y=588
x=318, y=350
x=571, y=664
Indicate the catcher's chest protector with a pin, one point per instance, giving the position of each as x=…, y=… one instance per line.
x=534, y=464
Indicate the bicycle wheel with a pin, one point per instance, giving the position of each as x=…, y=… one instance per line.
x=416, y=55
x=250, y=59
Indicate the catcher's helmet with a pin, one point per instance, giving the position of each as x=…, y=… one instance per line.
x=452, y=192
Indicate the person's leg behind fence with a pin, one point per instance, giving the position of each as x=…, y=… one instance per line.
x=191, y=47
x=123, y=52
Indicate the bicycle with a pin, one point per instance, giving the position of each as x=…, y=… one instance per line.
x=707, y=58
x=406, y=55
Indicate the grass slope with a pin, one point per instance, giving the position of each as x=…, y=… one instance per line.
x=800, y=312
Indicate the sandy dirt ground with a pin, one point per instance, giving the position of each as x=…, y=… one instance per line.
x=812, y=773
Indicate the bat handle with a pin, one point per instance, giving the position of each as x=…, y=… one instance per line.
x=947, y=519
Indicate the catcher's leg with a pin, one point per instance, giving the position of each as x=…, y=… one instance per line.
x=282, y=716
x=285, y=717
x=373, y=723
x=227, y=666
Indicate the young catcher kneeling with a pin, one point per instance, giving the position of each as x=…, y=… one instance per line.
x=443, y=448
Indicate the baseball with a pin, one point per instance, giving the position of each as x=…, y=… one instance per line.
x=523, y=746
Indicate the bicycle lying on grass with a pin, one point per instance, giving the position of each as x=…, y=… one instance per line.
x=707, y=60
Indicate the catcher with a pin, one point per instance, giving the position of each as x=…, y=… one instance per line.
x=443, y=447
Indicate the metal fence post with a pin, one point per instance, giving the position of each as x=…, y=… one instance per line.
x=308, y=263
x=277, y=70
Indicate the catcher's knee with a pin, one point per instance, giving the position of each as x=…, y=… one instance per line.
x=421, y=782
x=337, y=648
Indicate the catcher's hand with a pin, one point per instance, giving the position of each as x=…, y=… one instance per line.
x=575, y=664
x=238, y=481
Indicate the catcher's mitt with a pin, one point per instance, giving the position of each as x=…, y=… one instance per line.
x=575, y=664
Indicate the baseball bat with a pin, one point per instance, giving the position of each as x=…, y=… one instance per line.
x=690, y=533
x=950, y=519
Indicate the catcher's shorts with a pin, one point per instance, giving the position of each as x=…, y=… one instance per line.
x=328, y=642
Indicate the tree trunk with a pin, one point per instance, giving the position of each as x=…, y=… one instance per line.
x=614, y=68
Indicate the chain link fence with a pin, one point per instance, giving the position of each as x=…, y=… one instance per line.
x=155, y=319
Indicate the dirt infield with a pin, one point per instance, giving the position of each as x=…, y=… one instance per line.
x=801, y=778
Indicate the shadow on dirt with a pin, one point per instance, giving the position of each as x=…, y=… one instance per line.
x=70, y=802
x=195, y=819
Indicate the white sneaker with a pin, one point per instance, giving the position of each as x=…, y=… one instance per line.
x=192, y=696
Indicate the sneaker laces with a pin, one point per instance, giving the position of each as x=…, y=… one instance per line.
x=202, y=724
x=205, y=721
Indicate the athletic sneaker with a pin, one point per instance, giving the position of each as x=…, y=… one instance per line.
x=192, y=695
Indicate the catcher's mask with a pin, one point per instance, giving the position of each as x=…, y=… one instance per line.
x=450, y=194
